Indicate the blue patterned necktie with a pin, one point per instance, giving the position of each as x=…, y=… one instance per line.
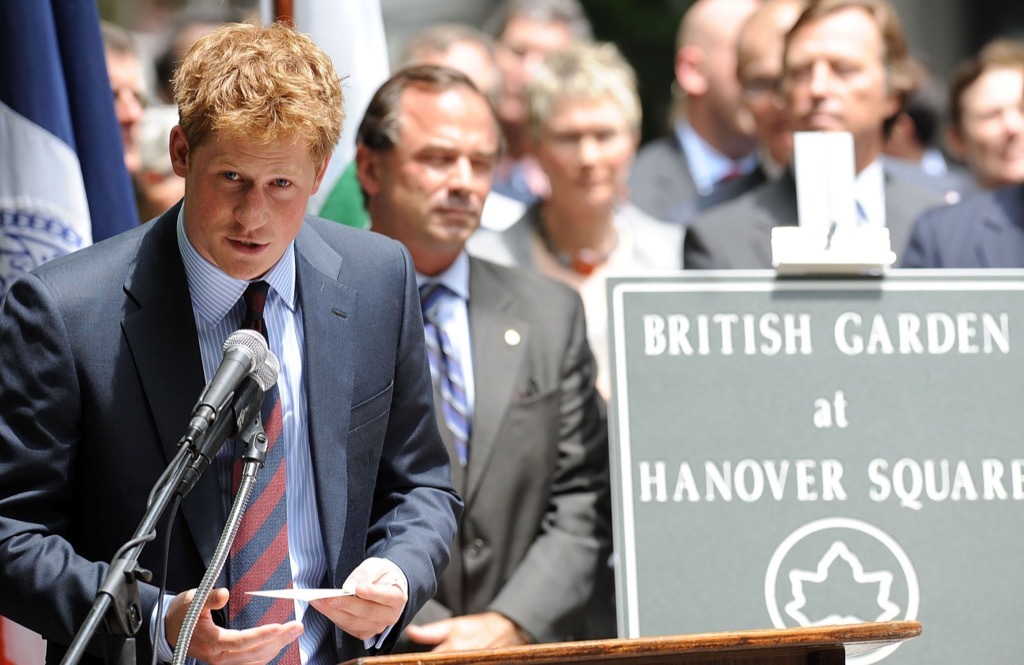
x=446, y=369
x=259, y=553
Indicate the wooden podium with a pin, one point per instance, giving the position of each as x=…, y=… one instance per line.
x=824, y=645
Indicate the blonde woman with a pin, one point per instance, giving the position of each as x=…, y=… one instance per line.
x=584, y=120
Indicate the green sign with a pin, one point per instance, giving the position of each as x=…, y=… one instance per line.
x=801, y=452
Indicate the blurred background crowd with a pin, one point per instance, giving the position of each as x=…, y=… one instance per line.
x=941, y=32
x=681, y=77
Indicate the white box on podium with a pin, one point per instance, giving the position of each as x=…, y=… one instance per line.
x=797, y=250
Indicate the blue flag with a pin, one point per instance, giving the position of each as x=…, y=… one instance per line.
x=63, y=183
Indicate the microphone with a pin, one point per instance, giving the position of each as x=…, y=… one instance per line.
x=244, y=351
x=245, y=407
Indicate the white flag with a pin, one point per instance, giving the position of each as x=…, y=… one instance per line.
x=351, y=32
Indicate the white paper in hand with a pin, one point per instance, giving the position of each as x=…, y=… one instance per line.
x=302, y=594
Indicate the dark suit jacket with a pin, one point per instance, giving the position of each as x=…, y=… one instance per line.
x=536, y=529
x=983, y=231
x=660, y=183
x=737, y=234
x=100, y=369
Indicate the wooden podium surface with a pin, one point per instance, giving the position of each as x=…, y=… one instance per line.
x=824, y=645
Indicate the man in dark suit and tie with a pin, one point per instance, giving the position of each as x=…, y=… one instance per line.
x=103, y=353
x=846, y=68
x=709, y=156
x=515, y=377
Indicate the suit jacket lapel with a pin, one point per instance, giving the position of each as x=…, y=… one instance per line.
x=682, y=200
x=496, y=363
x=327, y=306
x=162, y=337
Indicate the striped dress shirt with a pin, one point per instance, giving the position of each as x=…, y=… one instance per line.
x=218, y=310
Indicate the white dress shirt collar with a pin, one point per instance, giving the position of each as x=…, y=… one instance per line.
x=455, y=278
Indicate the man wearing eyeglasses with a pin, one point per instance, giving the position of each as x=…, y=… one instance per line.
x=759, y=69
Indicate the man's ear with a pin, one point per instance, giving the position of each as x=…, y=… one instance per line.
x=320, y=174
x=368, y=169
x=689, y=66
x=180, y=151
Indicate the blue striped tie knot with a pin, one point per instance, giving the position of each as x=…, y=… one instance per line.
x=446, y=369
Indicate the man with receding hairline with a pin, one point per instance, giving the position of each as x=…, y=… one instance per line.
x=470, y=51
x=709, y=156
x=521, y=415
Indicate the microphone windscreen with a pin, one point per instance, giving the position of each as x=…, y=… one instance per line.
x=251, y=340
x=266, y=374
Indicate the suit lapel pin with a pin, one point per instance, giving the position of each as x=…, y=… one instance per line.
x=512, y=337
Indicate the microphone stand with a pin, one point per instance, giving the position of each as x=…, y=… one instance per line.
x=117, y=602
x=253, y=458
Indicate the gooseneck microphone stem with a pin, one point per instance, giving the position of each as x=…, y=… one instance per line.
x=255, y=454
x=245, y=423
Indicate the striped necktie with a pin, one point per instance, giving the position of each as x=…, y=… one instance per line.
x=446, y=369
x=259, y=553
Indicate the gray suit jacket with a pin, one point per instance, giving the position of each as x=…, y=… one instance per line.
x=953, y=185
x=660, y=183
x=100, y=368
x=536, y=529
x=983, y=231
x=737, y=235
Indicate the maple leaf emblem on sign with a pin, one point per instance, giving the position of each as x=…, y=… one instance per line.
x=864, y=596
